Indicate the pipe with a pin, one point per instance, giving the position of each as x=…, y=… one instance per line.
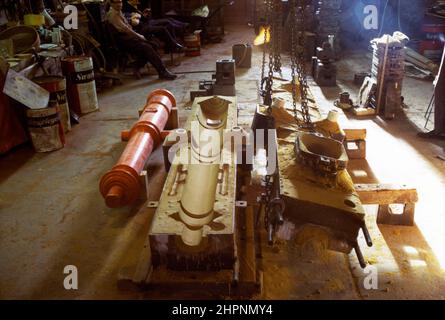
x=121, y=185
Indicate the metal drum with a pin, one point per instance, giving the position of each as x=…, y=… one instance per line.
x=81, y=87
x=56, y=86
x=45, y=128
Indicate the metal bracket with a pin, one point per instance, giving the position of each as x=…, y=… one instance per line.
x=153, y=204
x=241, y=204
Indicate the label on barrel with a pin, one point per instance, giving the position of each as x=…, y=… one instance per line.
x=45, y=129
x=82, y=77
x=42, y=121
x=81, y=85
x=60, y=97
x=83, y=65
x=88, y=97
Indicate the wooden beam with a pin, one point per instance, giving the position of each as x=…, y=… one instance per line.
x=355, y=134
x=386, y=193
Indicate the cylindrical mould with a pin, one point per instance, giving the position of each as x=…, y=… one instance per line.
x=198, y=197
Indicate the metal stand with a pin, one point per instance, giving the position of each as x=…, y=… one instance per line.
x=429, y=111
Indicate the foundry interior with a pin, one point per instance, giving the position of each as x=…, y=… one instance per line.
x=214, y=149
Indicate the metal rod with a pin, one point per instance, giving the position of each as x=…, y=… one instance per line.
x=199, y=71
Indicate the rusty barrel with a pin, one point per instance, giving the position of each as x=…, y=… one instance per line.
x=122, y=184
x=81, y=86
x=45, y=128
x=56, y=86
x=192, y=44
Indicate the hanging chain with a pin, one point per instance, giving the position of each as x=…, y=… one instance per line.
x=267, y=197
x=293, y=56
x=267, y=81
x=278, y=17
x=266, y=31
x=298, y=62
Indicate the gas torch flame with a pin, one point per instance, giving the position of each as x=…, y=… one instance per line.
x=259, y=40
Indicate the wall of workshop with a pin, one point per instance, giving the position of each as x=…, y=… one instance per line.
x=241, y=12
x=411, y=19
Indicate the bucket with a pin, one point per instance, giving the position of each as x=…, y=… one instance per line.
x=432, y=44
x=56, y=86
x=193, y=45
x=242, y=54
x=24, y=38
x=36, y=20
x=81, y=87
x=45, y=128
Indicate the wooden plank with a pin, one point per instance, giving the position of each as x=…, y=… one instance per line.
x=173, y=120
x=382, y=77
x=219, y=282
x=361, y=112
x=355, y=134
x=246, y=247
x=386, y=193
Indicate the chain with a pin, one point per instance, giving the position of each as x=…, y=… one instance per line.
x=278, y=17
x=267, y=81
x=293, y=15
x=267, y=197
x=266, y=31
x=298, y=63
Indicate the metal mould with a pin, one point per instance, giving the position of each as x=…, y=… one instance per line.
x=324, y=155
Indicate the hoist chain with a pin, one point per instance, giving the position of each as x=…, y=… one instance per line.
x=267, y=81
x=266, y=31
x=298, y=62
x=277, y=32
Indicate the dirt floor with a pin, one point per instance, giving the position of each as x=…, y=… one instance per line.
x=52, y=214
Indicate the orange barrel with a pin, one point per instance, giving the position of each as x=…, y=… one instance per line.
x=45, y=128
x=122, y=184
x=192, y=45
x=81, y=87
x=56, y=86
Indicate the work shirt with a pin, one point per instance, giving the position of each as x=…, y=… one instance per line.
x=118, y=20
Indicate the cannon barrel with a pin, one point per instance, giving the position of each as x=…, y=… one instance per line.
x=122, y=185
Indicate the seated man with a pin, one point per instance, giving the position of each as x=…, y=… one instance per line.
x=144, y=26
x=134, y=42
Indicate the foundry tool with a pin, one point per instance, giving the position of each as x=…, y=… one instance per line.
x=222, y=83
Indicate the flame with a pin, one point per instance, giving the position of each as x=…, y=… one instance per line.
x=259, y=40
